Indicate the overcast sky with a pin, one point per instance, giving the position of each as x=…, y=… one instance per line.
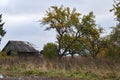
x=21, y=16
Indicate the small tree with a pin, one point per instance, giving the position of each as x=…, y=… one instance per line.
x=91, y=34
x=2, y=31
x=50, y=51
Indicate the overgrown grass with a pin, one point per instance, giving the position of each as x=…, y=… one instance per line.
x=79, y=68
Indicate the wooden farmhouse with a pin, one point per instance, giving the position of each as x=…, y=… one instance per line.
x=20, y=48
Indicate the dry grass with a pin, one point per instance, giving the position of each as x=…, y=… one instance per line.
x=81, y=68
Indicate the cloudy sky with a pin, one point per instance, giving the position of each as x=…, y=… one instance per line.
x=21, y=18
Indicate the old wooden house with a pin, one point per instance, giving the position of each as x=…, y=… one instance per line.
x=20, y=48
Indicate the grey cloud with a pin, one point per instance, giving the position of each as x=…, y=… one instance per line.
x=97, y=6
x=23, y=6
x=29, y=32
x=39, y=6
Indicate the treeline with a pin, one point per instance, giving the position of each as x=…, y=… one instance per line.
x=79, y=34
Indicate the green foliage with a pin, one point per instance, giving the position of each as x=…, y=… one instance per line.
x=2, y=31
x=115, y=34
x=34, y=72
x=62, y=20
x=116, y=9
x=72, y=31
x=91, y=34
x=111, y=52
x=113, y=49
x=50, y=51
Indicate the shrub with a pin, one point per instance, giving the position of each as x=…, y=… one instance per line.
x=112, y=52
x=50, y=51
x=3, y=54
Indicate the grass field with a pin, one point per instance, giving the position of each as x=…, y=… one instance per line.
x=77, y=68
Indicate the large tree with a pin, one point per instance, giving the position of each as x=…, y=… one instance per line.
x=62, y=20
x=2, y=31
x=72, y=29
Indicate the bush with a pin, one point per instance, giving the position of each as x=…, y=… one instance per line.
x=50, y=51
x=113, y=51
x=3, y=54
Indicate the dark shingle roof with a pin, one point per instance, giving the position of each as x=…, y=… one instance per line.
x=20, y=46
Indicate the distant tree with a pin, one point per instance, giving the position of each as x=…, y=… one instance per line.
x=2, y=31
x=50, y=51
